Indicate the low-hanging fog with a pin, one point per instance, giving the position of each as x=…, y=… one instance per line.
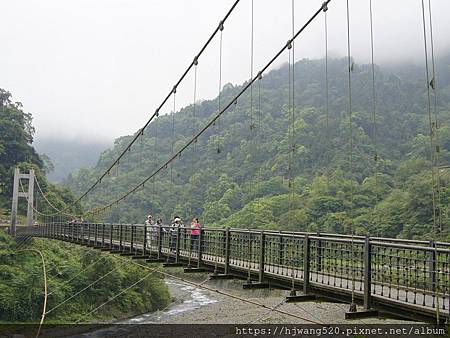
x=97, y=69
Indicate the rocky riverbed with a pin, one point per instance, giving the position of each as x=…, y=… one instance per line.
x=196, y=305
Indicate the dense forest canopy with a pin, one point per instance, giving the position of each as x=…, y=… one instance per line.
x=237, y=174
x=16, y=150
x=21, y=285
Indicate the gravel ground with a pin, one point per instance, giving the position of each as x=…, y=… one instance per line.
x=220, y=309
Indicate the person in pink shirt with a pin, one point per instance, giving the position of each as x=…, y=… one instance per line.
x=195, y=233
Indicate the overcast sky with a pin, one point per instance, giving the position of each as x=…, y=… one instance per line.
x=98, y=68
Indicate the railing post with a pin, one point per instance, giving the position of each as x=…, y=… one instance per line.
x=280, y=250
x=111, y=236
x=177, y=248
x=227, y=251
x=306, y=264
x=367, y=273
x=96, y=234
x=200, y=248
x=160, y=237
x=133, y=226
x=319, y=252
x=120, y=236
x=89, y=235
x=103, y=235
x=144, y=241
x=262, y=256
x=432, y=267
x=82, y=233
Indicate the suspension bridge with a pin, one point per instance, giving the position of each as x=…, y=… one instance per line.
x=407, y=278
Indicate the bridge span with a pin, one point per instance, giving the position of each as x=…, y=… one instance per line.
x=407, y=278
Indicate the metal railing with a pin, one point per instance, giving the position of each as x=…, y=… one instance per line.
x=378, y=269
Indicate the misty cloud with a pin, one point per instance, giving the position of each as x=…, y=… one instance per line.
x=99, y=68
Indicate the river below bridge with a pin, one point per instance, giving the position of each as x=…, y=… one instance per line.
x=193, y=305
x=186, y=298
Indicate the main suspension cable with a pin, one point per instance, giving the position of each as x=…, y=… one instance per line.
x=32, y=206
x=213, y=120
x=155, y=114
x=45, y=197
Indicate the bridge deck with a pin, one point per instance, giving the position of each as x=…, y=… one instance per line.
x=404, y=278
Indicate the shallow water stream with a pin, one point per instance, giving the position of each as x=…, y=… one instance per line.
x=188, y=298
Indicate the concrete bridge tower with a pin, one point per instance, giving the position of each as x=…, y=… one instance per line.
x=29, y=195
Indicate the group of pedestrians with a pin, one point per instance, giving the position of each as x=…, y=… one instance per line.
x=73, y=220
x=172, y=231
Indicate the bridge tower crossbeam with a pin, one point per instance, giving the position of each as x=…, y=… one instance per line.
x=29, y=195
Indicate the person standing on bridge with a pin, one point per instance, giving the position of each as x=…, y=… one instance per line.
x=195, y=233
x=173, y=232
x=150, y=230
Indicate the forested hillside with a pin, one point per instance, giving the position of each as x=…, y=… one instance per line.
x=16, y=150
x=22, y=284
x=237, y=174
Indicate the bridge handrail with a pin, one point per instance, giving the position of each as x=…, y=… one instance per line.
x=410, y=247
x=407, y=243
